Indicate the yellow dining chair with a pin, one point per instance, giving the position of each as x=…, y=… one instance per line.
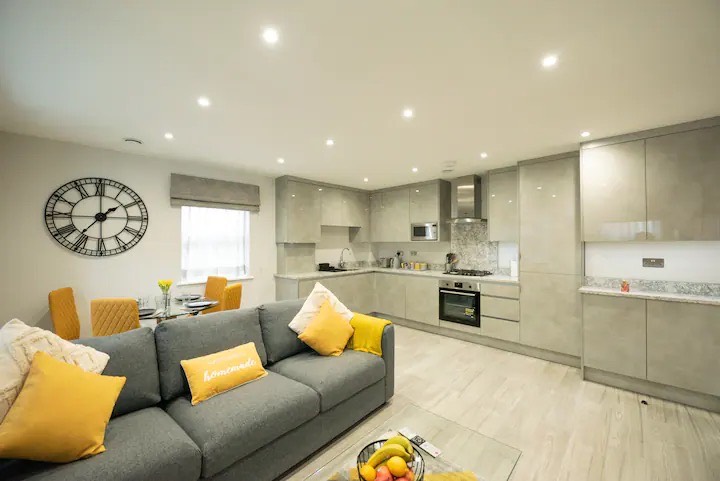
x=64, y=313
x=232, y=295
x=214, y=290
x=114, y=315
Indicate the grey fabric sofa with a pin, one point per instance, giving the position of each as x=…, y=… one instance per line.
x=254, y=432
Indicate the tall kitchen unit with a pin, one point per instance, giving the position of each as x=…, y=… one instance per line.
x=550, y=256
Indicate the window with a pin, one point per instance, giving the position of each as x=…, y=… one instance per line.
x=215, y=242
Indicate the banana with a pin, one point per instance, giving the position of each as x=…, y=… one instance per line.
x=387, y=452
x=402, y=441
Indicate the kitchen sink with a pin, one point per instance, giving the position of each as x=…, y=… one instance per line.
x=339, y=269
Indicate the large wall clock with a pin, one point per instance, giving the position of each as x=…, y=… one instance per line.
x=96, y=217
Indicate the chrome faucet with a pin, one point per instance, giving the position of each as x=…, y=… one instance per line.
x=341, y=264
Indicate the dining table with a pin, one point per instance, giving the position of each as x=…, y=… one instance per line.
x=179, y=307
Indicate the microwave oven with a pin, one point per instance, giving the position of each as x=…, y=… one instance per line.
x=424, y=231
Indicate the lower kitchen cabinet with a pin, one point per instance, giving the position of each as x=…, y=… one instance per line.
x=500, y=307
x=390, y=294
x=614, y=335
x=500, y=328
x=683, y=345
x=550, y=312
x=355, y=291
x=421, y=300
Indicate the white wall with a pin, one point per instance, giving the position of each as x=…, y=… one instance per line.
x=32, y=263
x=684, y=261
x=333, y=240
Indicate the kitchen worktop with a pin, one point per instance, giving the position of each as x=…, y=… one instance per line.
x=499, y=279
x=654, y=296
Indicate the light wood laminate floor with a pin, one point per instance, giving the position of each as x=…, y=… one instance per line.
x=566, y=428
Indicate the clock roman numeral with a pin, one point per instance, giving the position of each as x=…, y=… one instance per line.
x=66, y=230
x=80, y=242
x=137, y=218
x=101, y=246
x=132, y=231
x=100, y=187
x=83, y=193
x=130, y=204
x=60, y=215
x=59, y=198
x=121, y=245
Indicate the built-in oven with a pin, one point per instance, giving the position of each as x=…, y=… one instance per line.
x=424, y=231
x=460, y=302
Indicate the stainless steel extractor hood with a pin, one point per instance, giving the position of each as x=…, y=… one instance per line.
x=466, y=200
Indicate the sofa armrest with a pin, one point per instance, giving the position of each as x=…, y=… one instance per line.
x=388, y=355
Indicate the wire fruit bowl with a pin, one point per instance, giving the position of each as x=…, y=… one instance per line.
x=417, y=465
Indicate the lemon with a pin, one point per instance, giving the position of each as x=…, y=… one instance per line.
x=397, y=466
x=368, y=472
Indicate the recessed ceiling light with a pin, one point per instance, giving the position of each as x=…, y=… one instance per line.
x=539, y=187
x=169, y=135
x=554, y=195
x=329, y=142
x=270, y=35
x=319, y=189
x=483, y=155
x=509, y=202
x=203, y=102
x=280, y=160
x=585, y=134
x=549, y=61
x=366, y=179
x=414, y=169
x=408, y=113
x=493, y=195
x=417, y=190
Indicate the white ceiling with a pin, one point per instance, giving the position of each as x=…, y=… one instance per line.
x=95, y=72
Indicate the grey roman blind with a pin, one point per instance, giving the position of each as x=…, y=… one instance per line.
x=220, y=194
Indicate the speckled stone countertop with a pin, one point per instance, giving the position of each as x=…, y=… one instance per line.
x=655, y=296
x=498, y=279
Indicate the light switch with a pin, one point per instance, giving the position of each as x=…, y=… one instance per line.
x=653, y=262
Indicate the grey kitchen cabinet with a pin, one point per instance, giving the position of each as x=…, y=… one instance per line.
x=334, y=207
x=297, y=211
x=683, y=345
x=389, y=294
x=614, y=335
x=550, y=311
x=503, y=206
x=549, y=217
x=421, y=299
x=424, y=203
x=390, y=215
x=683, y=198
x=500, y=307
x=359, y=215
x=500, y=328
x=613, y=192
x=355, y=291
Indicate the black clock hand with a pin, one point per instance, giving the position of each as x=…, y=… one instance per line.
x=113, y=209
x=86, y=228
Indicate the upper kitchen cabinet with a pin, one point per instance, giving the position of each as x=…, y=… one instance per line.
x=613, y=192
x=390, y=215
x=549, y=215
x=502, y=206
x=424, y=203
x=333, y=207
x=683, y=198
x=297, y=211
x=358, y=203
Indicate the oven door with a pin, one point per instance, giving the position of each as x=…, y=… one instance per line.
x=460, y=306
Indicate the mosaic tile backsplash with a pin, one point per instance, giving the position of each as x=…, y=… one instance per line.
x=474, y=251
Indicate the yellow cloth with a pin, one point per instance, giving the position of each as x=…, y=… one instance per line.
x=60, y=414
x=368, y=333
x=458, y=476
x=222, y=371
x=328, y=333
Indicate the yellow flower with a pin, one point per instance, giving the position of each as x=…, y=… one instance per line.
x=165, y=284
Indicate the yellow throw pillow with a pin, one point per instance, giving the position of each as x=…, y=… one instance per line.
x=328, y=333
x=216, y=373
x=60, y=414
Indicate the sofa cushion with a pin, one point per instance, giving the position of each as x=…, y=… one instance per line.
x=335, y=379
x=280, y=340
x=142, y=445
x=132, y=355
x=233, y=424
x=197, y=336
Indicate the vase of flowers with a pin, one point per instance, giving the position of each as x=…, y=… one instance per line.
x=164, y=285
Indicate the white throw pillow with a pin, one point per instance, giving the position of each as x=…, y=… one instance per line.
x=312, y=306
x=18, y=345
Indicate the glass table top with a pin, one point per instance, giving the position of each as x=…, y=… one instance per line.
x=465, y=454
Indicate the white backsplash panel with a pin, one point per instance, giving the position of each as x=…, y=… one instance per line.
x=469, y=242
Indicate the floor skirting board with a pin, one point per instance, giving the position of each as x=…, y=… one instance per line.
x=649, y=388
x=551, y=356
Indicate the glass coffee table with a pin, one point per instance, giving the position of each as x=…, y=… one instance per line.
x=466, y=455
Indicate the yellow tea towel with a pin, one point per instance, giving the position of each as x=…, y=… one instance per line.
x=457, y=476
x=368, y=333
